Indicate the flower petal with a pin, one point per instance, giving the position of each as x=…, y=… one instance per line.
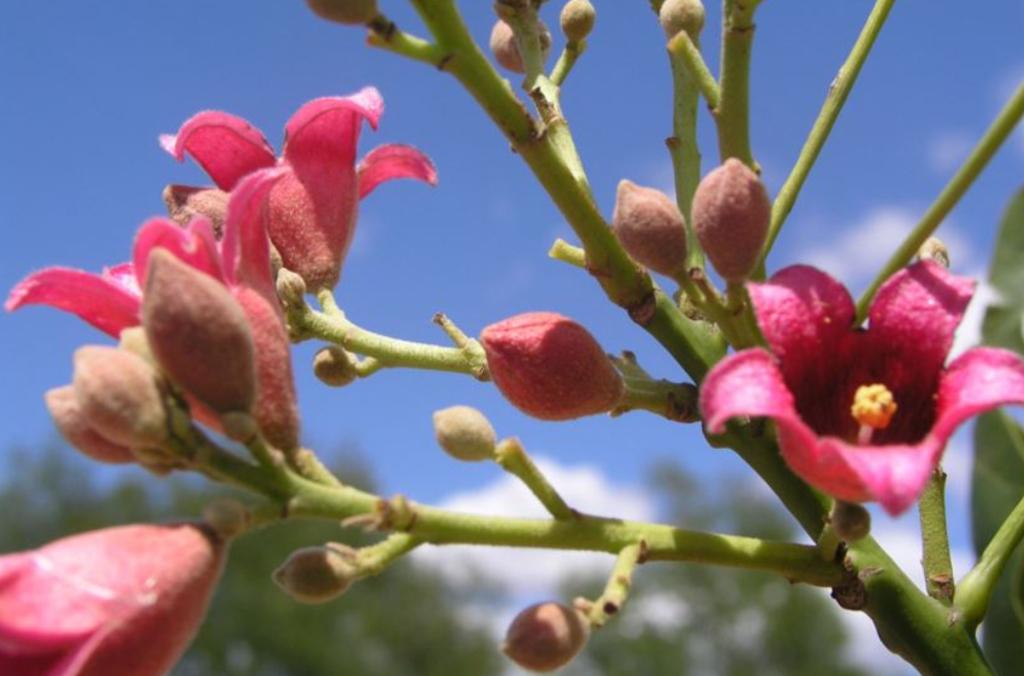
x=245, y=249
x=394, y=160
x=194, y=245
x=323, y=132
x=225, y=146
x=979, y=380
x=101, y=300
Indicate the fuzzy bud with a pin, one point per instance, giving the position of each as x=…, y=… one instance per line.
x=934, y=249
x=850, y=521
x=546, y=636
x=506, y=50
x=316, y=574
x=348, y=12
x=681, y=15
x=291, y=288
x=227, y=517
x=199, y=334
x=649, y=226
x=464, y=433
x=577, y=20
x=185, y=203
x=334, y=366
x=731, y=211
x=119, y=396
x=550, y=367
x=75, y=429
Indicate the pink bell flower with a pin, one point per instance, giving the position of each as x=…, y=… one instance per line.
x=862, y=414
x=120, y=601
x=313, y=208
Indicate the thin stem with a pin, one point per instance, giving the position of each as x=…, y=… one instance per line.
x=975, y=589
x=733, y=111
x=620, y=581
x=383, y=33
x=838, y=92
x=567, y=253
x=990, y=142
x=511, y=455
x=373, y=559
x=936, y=560
x=566, y=60
x=685, y=52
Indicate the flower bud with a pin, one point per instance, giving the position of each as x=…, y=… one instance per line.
x=119, y=397
x=506, y=50
x=577, y=20
x=681, y=15
x=334, y=366
x=227, y=517
x=464, y=433
x=546, y=636
x=934, y=249
x=348, y=12
x=290, y=288
x=731, y=211
x=850, y=521
x=76, y=430
x=185, y=203
x=199, y=334
x=133, y=339
x=550, y=367
x=316, y=574
x=649, y=226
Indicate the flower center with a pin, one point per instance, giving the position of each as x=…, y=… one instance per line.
x=873, y=407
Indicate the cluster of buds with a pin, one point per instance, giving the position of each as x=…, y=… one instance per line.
x=576, y=21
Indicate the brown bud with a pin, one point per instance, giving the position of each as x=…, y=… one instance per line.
x=227, y=517
x=850, y=521
x=506, y=50
x=334, y=366
x=316, y=574
x=546, y=636
x=199, y=334
x=577, y=20
x=681, y=15
x=185, y=202
x=934, y=249
x=76, y=430
x=731, y=211
x=649, y=226
x=348, y=12
x=464, y=433
x=119, y=396
x=290, y=288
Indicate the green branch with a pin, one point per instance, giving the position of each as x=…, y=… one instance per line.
x=975, y=589
x=936, y=561
x=733, y=111
x=512, y=457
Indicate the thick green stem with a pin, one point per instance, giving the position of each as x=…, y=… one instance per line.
x=733, y=111
x=936, y=560
x=975, y=589
x=511, y=455
x=674, y=401
x=838, y=92
x=990, y=142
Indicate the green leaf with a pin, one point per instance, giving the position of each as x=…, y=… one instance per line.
x=998, y=479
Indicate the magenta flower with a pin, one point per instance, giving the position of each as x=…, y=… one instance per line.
x=313, y=208
x=863, y=415
x=115, y=602
x=111, y=301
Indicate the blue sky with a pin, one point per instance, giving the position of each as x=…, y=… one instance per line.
x=89, y=86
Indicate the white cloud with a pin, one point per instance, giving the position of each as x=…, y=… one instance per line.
x=968, y=334
x=947, y=149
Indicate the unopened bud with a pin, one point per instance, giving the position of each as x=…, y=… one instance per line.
x=577, y=20
x=76, y=431
x=550, y=367
x=119, y=396
x=335, y=366
x=506, y=50
x=226, y=516
x=348, y=12
x=316, y=574
x=199, y=334
x=290, y=288
x=464, y=433
x=649, y=226
x=731, y=212
x=185, y=203
x=850, y=521
x=681, y=15
x=546, y=636
x=933, y=249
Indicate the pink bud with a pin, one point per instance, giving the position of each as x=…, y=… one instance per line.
x=185, y=203
x=546, y=636
x=506, y=50
x=550, y=367
x=115, y=602
x=348, y=12
x=118, y=395
x=76, y=430
x=198, y=334
x=649, y=226
x=731, y=211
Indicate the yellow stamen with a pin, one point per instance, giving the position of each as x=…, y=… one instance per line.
x=873, y=406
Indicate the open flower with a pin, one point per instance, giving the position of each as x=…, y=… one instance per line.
x=862, y=414
x=313, y=208
x=114, y=602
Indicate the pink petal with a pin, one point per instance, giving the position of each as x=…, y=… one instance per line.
x=324, y=131
x=387, y=162
x=101, y=300
x=225, y=146
x=123, y=274
x=245, y=249
x=979, y=380
x=194, y=245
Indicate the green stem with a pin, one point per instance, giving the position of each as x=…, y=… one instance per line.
x=567, y=253
x=383, y=33
x=566, y=60
x=936, y=560
x=674, y=401
x=512, y=457
x=990, y=142
x=733, y=111
x=373, y=559
x=975, y=589
x=838, y=92
x=684, y=52
x=620, y=581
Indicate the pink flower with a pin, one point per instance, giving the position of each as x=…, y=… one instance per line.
x=862, y=414
x=114, y=602
x=313, y=208
x=111, y=301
